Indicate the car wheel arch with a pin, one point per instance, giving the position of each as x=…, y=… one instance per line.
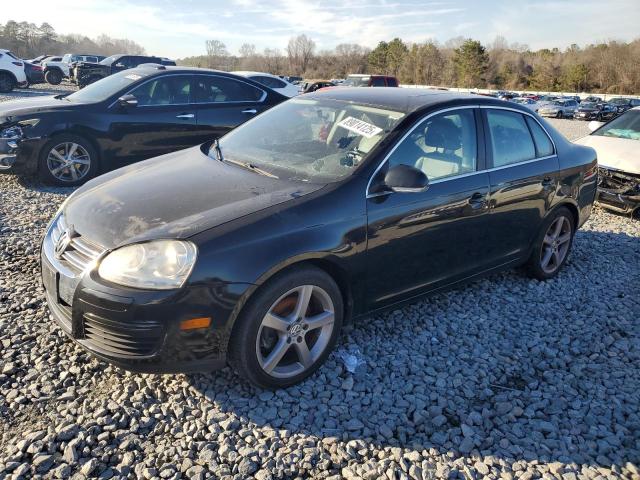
x=330, y=267
x=569, y=205
x=10, y=73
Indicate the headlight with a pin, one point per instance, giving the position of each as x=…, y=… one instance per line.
x=157, y=265
x=12, y=132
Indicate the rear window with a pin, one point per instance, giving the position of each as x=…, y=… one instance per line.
x=544, y=146
x=378, y=82
x=392, y=82
x=510, y=138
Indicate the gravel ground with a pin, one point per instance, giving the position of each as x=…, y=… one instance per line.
x=504, y=378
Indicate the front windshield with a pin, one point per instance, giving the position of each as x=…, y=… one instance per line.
x=587, y=105
x=319, y=141
x=356, y=82
x=625, y=126
x=109, y=60
x=105, y=88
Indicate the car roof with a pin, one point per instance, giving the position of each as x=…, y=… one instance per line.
x=151, y=69
x=407, y=100
x=247, y=72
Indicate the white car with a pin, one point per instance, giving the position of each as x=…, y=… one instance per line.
x=527, y=102
x=11, y=72
x=617, y=144
x=272, y=81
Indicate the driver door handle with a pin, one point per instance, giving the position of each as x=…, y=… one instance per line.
x=251, y=111
x=185, y=115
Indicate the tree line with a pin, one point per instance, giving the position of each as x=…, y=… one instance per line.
x=28, y=40
x=606, y=67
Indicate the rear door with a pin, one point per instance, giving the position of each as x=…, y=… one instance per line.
x=524, y=178
x=222, y=103
x=164, y=121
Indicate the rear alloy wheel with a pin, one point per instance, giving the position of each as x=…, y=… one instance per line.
x=552, y=248
x=68, y=160
x=7, y=82
x=286, y=332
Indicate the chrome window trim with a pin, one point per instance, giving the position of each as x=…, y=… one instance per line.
x=409, y=132
x=260, y=100
x=455, y=177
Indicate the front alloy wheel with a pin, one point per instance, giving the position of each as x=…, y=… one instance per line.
x=287, y=328
x=295, y=331
x=68, y=162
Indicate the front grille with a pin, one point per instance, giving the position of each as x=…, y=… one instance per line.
x=113, y=338
x=81, y=252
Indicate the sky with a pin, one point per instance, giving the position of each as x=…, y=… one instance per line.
x=179, y=28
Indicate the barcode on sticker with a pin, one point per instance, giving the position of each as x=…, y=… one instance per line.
x=360, y=127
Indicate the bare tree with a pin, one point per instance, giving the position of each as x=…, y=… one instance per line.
x=300, y=52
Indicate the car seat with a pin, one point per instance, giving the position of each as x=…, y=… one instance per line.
x=445, y=137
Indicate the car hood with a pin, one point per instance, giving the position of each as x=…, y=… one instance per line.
x=173, y=196
x=30, y=106
x=619, y=153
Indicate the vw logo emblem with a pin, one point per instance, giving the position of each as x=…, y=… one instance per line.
x=62, y=244
x=295, y=330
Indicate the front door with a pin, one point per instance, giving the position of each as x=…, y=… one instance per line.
x=423, y=240
x=164, y=121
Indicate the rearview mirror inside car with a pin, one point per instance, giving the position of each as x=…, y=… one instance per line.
x=594, y=125
x=403, y=178
x=128, y=101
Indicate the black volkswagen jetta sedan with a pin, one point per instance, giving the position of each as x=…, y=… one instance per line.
x=127, y=117
x=255, y=250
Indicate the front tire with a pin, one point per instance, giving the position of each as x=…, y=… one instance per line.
x=559, y=115
x=54, y=77
x=7, y=82
x=552, y=245
x=67, y=160
x=287, y=329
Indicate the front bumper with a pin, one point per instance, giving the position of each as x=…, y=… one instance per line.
x=618, y=191
x=586, y=115
x=8, y=152
x=20, y=155
x=138, y=330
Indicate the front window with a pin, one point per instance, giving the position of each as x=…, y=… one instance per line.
x=104, y=88
x=306, y=140
x=170, y=90
x=625, y=126
x=442, y=146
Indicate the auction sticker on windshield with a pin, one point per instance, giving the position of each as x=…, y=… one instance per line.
x=360, y=127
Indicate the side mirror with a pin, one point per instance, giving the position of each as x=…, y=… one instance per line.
x=403, y=178
x=594, y=125
x=128, y=101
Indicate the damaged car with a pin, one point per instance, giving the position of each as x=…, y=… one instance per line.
x=618, y=146
x=254, y=250
x=85, y=73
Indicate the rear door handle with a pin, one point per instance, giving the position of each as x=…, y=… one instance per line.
x=251, y=111
x=185, y=115
x=478, y=200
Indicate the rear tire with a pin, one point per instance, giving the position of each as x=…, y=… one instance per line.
x=552, y=245
x=74, y=162
x=559, y=115
x=280, y=338
x=7, y=82
x=54, y=77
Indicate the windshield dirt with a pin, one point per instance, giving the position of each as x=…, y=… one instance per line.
x=318, y=141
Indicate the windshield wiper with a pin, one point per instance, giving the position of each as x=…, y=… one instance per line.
x=251, y=166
